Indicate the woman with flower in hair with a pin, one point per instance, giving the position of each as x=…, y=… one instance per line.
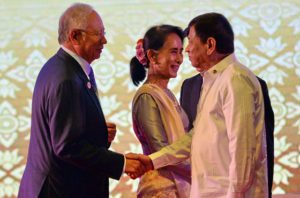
x=158, y=119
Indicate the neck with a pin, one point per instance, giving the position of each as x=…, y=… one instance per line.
x=155, y=79
x=69, y=47
x=217, y=58
x=76, y=50
x=213, y=60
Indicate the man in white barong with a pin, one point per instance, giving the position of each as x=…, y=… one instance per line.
x=227, y=145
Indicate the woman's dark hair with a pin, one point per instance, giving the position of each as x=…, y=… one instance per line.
x=217, y=26
x=154, y=39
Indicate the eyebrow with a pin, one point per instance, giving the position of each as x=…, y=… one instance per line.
x=175, y=48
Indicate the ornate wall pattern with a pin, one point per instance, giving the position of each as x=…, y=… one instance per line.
x=267, y=41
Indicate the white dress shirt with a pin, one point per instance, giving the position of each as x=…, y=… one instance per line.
x=228, y=149
x=86, y=67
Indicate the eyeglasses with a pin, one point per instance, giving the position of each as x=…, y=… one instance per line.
x=93, y=33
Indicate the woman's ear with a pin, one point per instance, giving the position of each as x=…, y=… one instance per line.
x=152, y=56
x=211, y=45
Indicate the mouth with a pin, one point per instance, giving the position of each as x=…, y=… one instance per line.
x=175, y=68
x=99, y=50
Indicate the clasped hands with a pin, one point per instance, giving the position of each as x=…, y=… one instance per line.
x=137, y=164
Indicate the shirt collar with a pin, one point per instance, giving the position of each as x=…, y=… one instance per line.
x=219, y=67
x=86, y=67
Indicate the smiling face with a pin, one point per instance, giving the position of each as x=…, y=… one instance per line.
x=93, y=38
x=169, y=57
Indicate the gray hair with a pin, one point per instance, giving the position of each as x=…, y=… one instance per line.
x=75, y=17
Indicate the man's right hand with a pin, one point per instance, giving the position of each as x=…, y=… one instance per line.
x=144, y=161
x=134, y=168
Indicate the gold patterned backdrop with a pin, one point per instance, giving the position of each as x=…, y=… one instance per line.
x=267, y=41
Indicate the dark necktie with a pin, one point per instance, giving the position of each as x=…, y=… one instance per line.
x=93, y=81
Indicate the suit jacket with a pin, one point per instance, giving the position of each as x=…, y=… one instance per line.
x=68, y=150
x=189, y=97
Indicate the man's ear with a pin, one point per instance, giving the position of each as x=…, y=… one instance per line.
x=152, y=56
x=75, y=37
x=211, y=45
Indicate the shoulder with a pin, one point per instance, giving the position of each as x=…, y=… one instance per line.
x=61, y=62
x=238, y=70
x=193, y=78
x=190, y=81
x=238, y=76
x=58, y=68
x=145, y=97
x=144, y=102
x=58, y=73
x=149, y=90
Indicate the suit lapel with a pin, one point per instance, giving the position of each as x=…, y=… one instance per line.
x=78, y=70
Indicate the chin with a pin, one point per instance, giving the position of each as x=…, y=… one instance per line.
x=196, y=67
x=173, y=75
x=199, y=70
x=194, y=64
x=96, y=58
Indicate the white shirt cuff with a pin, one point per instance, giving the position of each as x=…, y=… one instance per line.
x=124, y=164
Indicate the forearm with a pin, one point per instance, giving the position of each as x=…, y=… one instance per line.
x=174, y=153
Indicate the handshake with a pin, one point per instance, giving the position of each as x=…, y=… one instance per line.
x=137, y=164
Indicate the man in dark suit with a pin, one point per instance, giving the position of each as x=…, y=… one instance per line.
x=189, y=97
x=68, y=151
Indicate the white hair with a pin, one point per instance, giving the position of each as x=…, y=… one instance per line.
x=74, y=17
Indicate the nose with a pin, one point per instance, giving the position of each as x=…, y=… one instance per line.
x=179, y=58
x=103, y=40
x=187, y=49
